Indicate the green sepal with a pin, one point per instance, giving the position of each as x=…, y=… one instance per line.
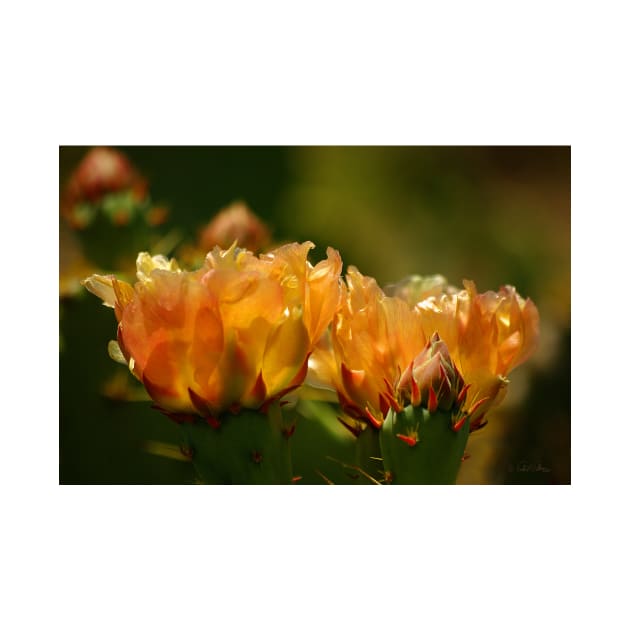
x=246, y=448
x=435, y=457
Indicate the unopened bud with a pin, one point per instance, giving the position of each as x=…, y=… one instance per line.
x=432, y=380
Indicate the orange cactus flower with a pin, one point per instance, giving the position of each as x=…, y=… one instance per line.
x=235, y=333
x=374, y=339
x=487, y=335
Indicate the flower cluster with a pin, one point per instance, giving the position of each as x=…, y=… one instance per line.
x=243, y=330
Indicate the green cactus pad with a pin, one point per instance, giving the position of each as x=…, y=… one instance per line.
x=247, y=448
x=419, y=447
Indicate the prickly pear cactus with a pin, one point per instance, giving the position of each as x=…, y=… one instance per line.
x=245, y=448
x=420, y=447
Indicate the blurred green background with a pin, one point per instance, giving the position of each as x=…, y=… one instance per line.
x=495, y=215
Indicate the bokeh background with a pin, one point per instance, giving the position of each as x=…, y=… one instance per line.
x=495, y=215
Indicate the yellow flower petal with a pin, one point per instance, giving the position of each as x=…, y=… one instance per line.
x=102, y=287
x=285, y=352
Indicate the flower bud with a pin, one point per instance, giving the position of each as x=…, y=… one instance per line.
x=431, y=379
x=236, y=223
x=105, y=178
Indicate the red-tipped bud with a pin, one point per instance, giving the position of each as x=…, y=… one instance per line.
x=432, y=380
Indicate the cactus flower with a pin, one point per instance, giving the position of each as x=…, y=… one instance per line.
x=374, y=338
x=236, y=333
x=405, y=391
x=423, y=396
x=487, y=335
